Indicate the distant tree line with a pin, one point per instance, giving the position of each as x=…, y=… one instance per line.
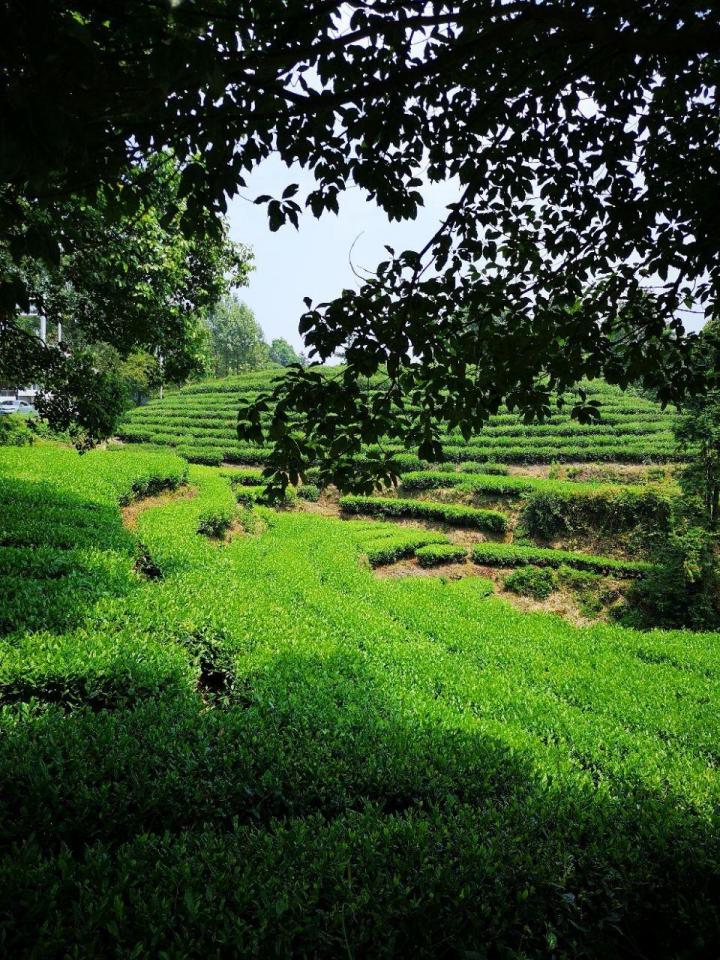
x=236, y=342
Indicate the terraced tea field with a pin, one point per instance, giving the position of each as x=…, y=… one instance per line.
x=228, y=731
x=200, y=421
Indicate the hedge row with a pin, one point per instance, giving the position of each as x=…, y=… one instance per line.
x=436, y=555
x=270, y=752
x=498, y=485
x=489, y=520
x=385, y=550
x=554, y=507
x=509, y=555
x=547, y=514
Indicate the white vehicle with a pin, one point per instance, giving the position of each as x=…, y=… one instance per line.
x=11, y=405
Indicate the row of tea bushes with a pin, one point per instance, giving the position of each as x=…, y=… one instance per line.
x=201, y=421
x=552, y=507
x=435, y=555
x=512, y=555
x=269, y=752
x=489, y=520
x=62, y=545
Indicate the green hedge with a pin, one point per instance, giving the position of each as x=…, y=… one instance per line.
x=435, y=555
x=497, y=469
x=489, y=520
x=610, y=509
x=389, y=549
x=499, y=485
x=244, y=478
x=535, y=582
x=509, y=555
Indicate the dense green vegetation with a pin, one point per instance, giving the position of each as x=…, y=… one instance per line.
x=255, y=747
x=489, y=520
x=201, y=419
x=512, y=555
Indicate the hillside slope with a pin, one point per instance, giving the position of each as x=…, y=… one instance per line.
x=200, y=420
x=263, y=750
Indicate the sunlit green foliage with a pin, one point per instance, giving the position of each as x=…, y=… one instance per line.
x=512, y=555
x=265, y=750
x=201, y=421
x=535, y=582
x=435, y=555
x=490, y=520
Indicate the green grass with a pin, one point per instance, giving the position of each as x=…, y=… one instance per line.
x=267, y=751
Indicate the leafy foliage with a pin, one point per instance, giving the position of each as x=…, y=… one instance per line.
x=683, y=589
x=489, y=520
x=309, y=492
x=215, y=524
x=516, y=555
x=203, y=416
x=534, y=582
x=699, y=431
x=268, y=732
x=283, y=353
x=236, y=338
x=435, y=555
x=582, y=136
x=129, y=289
x=609, y=509
x=15, y=431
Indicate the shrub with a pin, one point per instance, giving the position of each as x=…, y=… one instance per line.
x=209, y=457
x=535, y=582
x=683, y=589
x=288, y=500
x=512, y=555
x=248, y=495
x=499, y=485
x=611, y=509
x=215, y=523
x=309, y=492
x=244, y=478
x=578, y=579
x=496, y=469
x=436, y=554
x=15, y=431
x=489, y=520
x=387, y=549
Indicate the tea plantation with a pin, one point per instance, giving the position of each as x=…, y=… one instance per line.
x=200, y=421
x=224, y=735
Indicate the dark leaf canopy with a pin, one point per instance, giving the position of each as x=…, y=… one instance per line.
x=583, y=136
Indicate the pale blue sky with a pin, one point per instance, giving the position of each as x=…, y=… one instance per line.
x=314, y=260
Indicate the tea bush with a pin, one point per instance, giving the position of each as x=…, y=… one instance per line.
x=215, y=523
x=611, y=509
x=15, y=431
x=269, y=751
x=535, y=582
x=437, y=554
x=309, y=492
x=200, y=420
x=489, y=520
x=385, y=544
x=514, y=555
